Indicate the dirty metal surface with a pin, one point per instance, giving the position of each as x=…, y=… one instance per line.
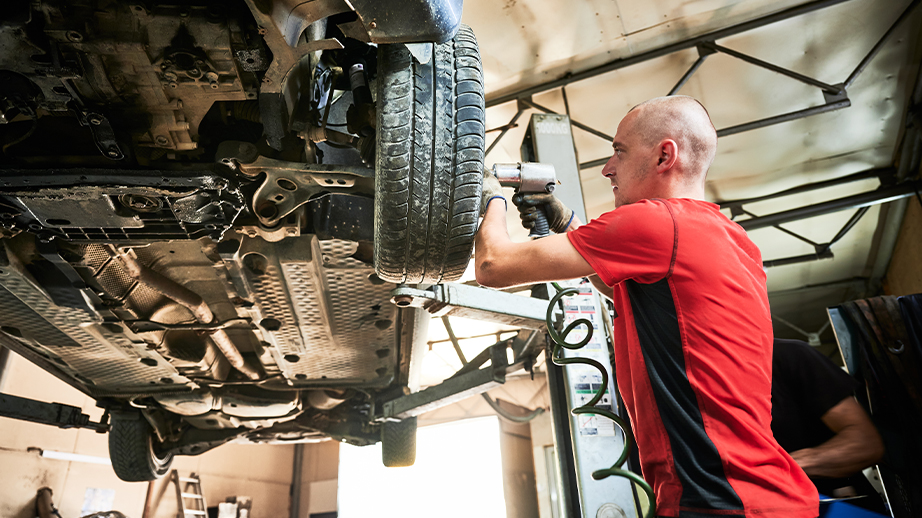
x=327, y=321
x=103, y=359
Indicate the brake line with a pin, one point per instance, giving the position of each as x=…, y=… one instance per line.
x=559, y=337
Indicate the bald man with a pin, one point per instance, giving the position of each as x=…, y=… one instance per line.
x=693, y=334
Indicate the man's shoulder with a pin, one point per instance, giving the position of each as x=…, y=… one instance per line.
x=639, y=211
x=642, y=219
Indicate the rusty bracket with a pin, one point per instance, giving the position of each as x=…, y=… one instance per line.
x=288, y=185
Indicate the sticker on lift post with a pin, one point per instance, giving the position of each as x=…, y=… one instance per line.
x=586, y=381
x=585, y=388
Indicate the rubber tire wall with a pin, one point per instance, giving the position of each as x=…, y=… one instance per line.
x=398, y=443
x=430, y=154
x=131, y=448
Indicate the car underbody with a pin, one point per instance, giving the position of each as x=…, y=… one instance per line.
x=190, y=196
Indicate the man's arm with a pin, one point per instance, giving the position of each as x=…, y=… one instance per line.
x=855, y=446
x=603, y=288
x=500, y=263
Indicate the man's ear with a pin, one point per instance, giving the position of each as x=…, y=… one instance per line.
x=667, y=152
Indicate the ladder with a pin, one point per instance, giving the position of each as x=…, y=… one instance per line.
x=191, y=493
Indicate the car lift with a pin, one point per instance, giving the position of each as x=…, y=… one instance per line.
x=583, y=443
x=54, y=414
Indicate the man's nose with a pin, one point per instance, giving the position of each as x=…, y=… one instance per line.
x=609, y=167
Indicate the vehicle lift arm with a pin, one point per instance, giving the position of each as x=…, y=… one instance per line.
x=54, y=414
x=471, y=302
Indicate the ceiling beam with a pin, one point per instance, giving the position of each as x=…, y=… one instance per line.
x=879, y=173
x=786, y=14
x=855, y=283
x=882, y=195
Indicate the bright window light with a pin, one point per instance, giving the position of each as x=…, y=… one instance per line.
x=75, y=457
x=458, y=474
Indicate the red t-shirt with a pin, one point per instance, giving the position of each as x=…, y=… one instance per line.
x=693, y=359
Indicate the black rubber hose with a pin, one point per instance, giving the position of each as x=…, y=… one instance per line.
x=559, y=337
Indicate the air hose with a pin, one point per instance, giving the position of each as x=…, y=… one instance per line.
x=559, y=337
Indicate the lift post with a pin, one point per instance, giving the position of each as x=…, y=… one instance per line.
x=584, y=444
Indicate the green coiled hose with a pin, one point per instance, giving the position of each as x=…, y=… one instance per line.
x=560, y=343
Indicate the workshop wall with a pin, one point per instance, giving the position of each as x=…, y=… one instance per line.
x=904, y=276
x=260, y=471
x=519, y=486
x=542, y=440
x=24, y=472
x=319, y=474
x=519, y=395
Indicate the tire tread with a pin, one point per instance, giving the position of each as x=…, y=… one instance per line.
x=398, y=443
x=430, y=138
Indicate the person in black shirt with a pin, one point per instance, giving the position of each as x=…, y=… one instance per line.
x=816, y=419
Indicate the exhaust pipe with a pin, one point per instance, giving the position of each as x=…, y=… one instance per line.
x=191, y=300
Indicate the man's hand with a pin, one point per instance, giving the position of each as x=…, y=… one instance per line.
x=559, y=216
x=491, y=189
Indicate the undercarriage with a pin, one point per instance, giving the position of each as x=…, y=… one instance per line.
x=205, y=207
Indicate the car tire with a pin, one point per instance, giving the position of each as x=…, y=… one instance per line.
x=429, y=165
x=398, y=443
x=133, y=449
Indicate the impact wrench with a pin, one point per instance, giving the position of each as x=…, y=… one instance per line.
x=529, y=177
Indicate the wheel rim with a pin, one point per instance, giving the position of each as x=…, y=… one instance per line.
x=159, y=463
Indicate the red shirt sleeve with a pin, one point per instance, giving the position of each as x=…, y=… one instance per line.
x=635, y=241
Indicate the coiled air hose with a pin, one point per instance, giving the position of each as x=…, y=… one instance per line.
x=559, y=337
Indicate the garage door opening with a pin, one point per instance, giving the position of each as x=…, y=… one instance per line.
x=458, y=473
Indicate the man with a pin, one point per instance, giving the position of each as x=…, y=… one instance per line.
x=693, y=335
x=816, y=419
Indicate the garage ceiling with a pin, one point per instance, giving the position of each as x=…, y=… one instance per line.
x=527, y=44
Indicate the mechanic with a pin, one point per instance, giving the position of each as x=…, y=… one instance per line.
x=693, y=333
x=816, y=419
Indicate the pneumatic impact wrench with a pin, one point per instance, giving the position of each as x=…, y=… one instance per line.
x=529, y=177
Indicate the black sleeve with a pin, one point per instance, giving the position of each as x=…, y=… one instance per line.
x=821, y=383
